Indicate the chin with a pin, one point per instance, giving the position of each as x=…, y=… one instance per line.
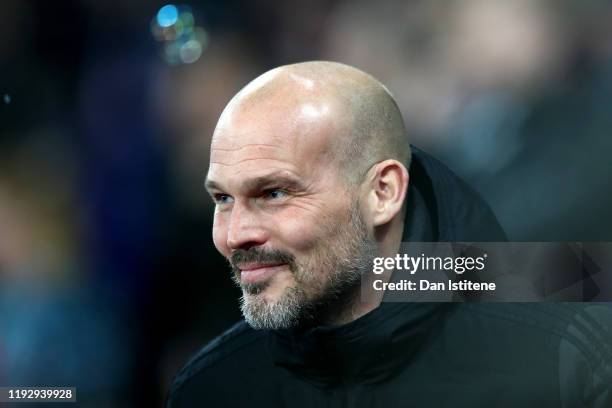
x=273, y=288
x=270, y=294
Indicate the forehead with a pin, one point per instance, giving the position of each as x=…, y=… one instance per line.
x=267, y=136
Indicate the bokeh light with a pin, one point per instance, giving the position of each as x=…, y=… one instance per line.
x=167, y=15
x=182, y=41
x=190, y=51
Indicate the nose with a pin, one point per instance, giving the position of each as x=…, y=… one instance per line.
x=245, y=229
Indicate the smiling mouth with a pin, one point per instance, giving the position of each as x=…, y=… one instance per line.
x=253, y=273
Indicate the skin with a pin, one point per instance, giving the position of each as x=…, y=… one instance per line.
x=277, y=182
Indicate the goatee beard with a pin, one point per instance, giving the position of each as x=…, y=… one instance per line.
x=315, y=298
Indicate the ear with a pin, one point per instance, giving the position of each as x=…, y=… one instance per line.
x=386, y=186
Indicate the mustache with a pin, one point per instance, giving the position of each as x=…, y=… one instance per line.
x=260, y=255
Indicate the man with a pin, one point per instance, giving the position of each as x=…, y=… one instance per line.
x=309, y=173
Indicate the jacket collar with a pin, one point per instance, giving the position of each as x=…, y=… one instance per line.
x=367, y=350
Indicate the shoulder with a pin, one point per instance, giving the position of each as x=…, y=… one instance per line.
x=583, y=327
x=215, y=358
x=587, y=319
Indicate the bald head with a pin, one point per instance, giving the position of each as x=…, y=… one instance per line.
x=308, y=172
x=362, y=121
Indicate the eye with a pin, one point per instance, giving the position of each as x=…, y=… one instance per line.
x=275, y=193
x=222, y=198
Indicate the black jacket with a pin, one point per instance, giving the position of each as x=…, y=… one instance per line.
x=417, y=354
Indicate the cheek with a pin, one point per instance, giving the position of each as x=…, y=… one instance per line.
x=304, y=231
x=219, y=232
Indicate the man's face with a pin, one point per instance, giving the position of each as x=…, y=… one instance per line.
x=284, y=218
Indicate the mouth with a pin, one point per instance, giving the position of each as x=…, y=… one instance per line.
x=252, y=273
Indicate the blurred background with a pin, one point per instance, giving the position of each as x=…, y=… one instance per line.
x=109, y=280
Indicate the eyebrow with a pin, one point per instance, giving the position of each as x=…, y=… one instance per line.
x=211, y=185
x=256, y=183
